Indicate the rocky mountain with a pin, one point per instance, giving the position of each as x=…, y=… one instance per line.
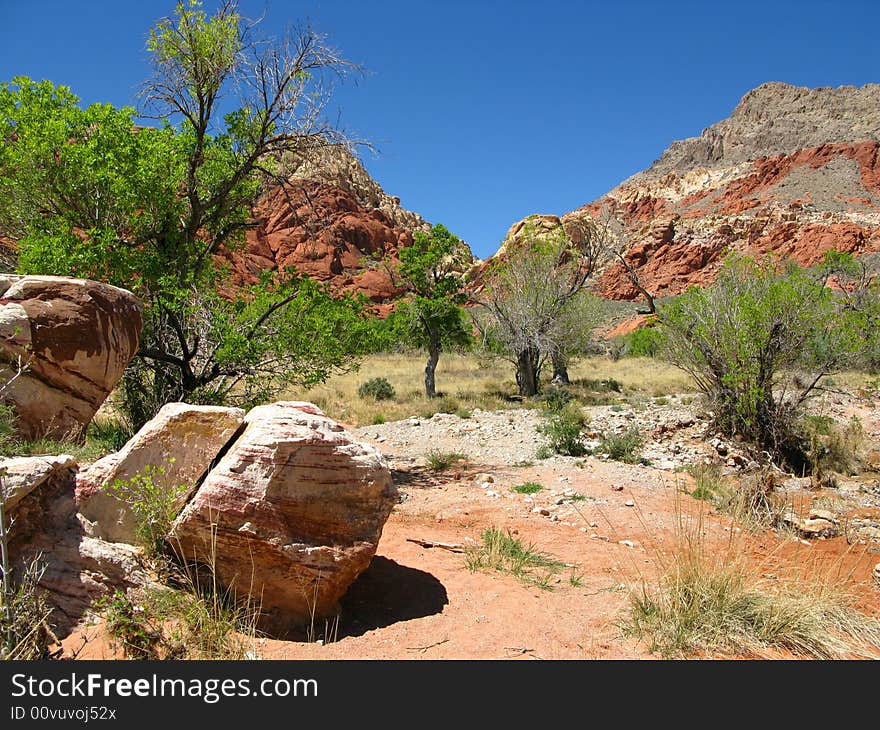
x=332, y=222
x=793, y=171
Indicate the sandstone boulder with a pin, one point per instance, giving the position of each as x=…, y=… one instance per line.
x=182, y=439
x=44, y=528
x=75, y=337
x=292, y=513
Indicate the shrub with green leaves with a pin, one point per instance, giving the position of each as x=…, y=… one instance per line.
x=759, y=342
x=643, y=342
x=153, y=502
x=625, y=447
x=377, y=389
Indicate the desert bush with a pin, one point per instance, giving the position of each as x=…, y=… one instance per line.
x=643, y=342
x=442, y=460
x=528, y=488
x=377, y=389
x=758, y=344
x=563, y=428
x=625, y=447
x=503, y=552
x=153, y=503
x=833, y=447
x=555, y=398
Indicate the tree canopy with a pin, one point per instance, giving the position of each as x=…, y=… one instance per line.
x=432, y=317
x=90, y=192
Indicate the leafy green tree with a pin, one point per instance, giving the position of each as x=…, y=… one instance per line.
x=89, y=192
x=432, y=318
x=759, y=343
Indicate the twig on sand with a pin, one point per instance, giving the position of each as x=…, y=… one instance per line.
x=451, y=546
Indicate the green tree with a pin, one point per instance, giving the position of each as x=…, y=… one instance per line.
x=89, y=192
x=432, y=318
x=759, y=343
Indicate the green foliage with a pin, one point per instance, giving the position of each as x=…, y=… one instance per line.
x=623, y=447
x=136, y=635
x=442, y=460
x=503, y=552
x=643, y=342
x=377, y=389
x=158, y=210
x=555, y=398
x=154, y=504
x=758, y=344
x=432, y=318
x=528, y=488
x=709, y=485
x=563, y=428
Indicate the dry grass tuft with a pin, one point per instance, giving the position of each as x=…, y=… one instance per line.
x=711, y=600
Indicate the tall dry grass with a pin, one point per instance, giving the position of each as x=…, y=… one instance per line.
x=467, y=382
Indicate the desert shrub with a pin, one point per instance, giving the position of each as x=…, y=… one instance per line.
x=555, y=398
x=153, y=503
x=130, y=627
x=503, y=552
x=643, y=342
x=562, y=429
x=377, y=389
x=758, y=343
x=625, y=447
x=528, y=488
x=442, y=460
x=833, y=447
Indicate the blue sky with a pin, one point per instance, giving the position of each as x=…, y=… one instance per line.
x=484, y=112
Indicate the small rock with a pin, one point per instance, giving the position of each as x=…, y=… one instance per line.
x=823, y=514
x=629, y=503
x=626, y=543
x=877, y=574
x=616, y=488
x=544, y=512
x=483, y=478
x=554, y=518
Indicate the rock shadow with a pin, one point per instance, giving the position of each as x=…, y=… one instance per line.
x=386, y=593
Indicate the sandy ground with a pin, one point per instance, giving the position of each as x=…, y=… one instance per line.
x=416, y=602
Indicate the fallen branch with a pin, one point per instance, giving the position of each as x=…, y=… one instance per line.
x=451, y=546
x=423, y=649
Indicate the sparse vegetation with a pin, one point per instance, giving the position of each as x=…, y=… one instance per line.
x=625, y=447
x=712, y=600
x=563, y=428
x=442, y=460
x=505, y=553
x=528, y=488
x=24, y=612
x=153, y=502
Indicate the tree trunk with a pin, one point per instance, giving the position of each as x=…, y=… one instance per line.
x=430, y=367
x=560, y=368
x=527, y=373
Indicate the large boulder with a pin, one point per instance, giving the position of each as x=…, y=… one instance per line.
x=44, y=528
x=181, y=439
x=292, y=513
x=74, y=338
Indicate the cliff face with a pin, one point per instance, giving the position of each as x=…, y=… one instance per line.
x=332, y=222
x=793, y=171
